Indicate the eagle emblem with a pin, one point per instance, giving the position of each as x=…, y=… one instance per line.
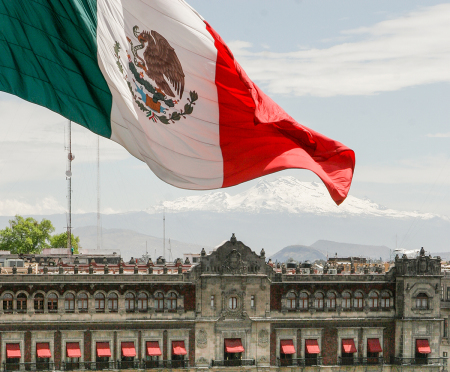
x=157, y=78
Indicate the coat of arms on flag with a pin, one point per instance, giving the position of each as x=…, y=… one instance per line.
x=158, y=97
x=126, y=69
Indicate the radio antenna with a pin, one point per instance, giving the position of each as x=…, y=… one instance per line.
x=99, y=221
x=70, y=158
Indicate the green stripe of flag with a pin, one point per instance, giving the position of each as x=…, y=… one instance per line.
x=48, y=56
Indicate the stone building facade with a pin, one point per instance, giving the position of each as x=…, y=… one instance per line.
x=232, y=310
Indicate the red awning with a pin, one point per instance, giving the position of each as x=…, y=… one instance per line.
x=348, y=345
x=233, y=345
x=153, y=348
x=103, y=349
x=312, y=347
x=287, y=347
x=73, y=350
x=178, y=348
x=13, y=351
x=423, y=347
x=128, y=349
x=43, y=350
x=373, y=345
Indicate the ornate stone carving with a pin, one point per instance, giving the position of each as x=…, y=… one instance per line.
x=263, y=338
x=234, y=264
x=202, y=339
x=202, y=361
x=263, y=359
x=422, y=265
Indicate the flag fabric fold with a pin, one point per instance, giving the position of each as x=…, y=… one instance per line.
x=156, y=78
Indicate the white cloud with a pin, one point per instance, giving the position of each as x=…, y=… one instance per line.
x=48, y=205
x=32, y=140
x=394, y=54
x=430, y=170
x=439, y=135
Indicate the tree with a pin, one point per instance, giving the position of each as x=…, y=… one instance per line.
x=26, y=235
x=60, y=241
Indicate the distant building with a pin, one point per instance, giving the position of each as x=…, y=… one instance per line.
x=231, y=310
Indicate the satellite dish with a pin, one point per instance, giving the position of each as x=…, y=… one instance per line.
x=68, y=174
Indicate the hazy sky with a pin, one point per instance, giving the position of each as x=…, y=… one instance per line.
x=373, y=75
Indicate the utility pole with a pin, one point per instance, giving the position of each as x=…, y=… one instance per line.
x=164, y=233
x=99, y=222
x=70, y=158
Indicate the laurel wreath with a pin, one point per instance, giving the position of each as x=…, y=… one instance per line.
x=157, y=96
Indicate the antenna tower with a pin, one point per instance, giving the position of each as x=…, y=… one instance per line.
x=70, y=158
x=99, y=221
x=170, y=252
x=164, y=233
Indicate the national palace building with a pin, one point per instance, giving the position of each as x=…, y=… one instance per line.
x=231, y=310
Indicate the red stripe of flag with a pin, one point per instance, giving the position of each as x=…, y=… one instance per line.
x=257, y=137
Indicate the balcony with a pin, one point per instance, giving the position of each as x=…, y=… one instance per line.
x=350, y=361
x=232, y=363
x=419, y=361
x=299, y=362
x=38, y=366
x=98, y=366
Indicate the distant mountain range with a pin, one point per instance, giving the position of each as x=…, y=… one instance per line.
x=130, y=243
x=323, y=248
x=284, y=195
x=271, y=215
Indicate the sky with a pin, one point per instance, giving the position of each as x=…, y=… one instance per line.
x=373, y=75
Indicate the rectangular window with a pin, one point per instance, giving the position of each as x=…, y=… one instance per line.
x=212, y=301
x=445, y=354
x=446, y=327
x=232, y=303
x=252, y=302
x=448, y=293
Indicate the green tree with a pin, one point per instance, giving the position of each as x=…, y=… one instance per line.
x=60, y=241
x=26, y=235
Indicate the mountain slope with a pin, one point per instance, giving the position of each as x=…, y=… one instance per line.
x=133, y=244
x=354, y=250
x=298, y=253
x=283, y=195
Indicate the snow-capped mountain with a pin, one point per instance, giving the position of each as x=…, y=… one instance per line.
x=283, y=195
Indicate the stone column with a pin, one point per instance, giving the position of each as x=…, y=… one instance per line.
x=121, y=304
x=30, y=304
x=91, y=304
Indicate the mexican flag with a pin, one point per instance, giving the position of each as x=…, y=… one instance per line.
x=154, y=76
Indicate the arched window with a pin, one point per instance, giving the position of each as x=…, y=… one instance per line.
x=159, y=301
x=69, y=303
x=346, y=300
x=422, y=301
x=331, y=301
x=7, y=303
x=129, y=302
x=142, y=302
x=52, y=303
x=22, y=302
x=99, y=302
x=373, y=300
x=318, y=301
x=290, y=300
x=39, y=303
x=82, y=302
x=172, y=301
x=113, y=302
x=232, y=303
x=303, y=302
x=385, y=300
x=358, y=300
